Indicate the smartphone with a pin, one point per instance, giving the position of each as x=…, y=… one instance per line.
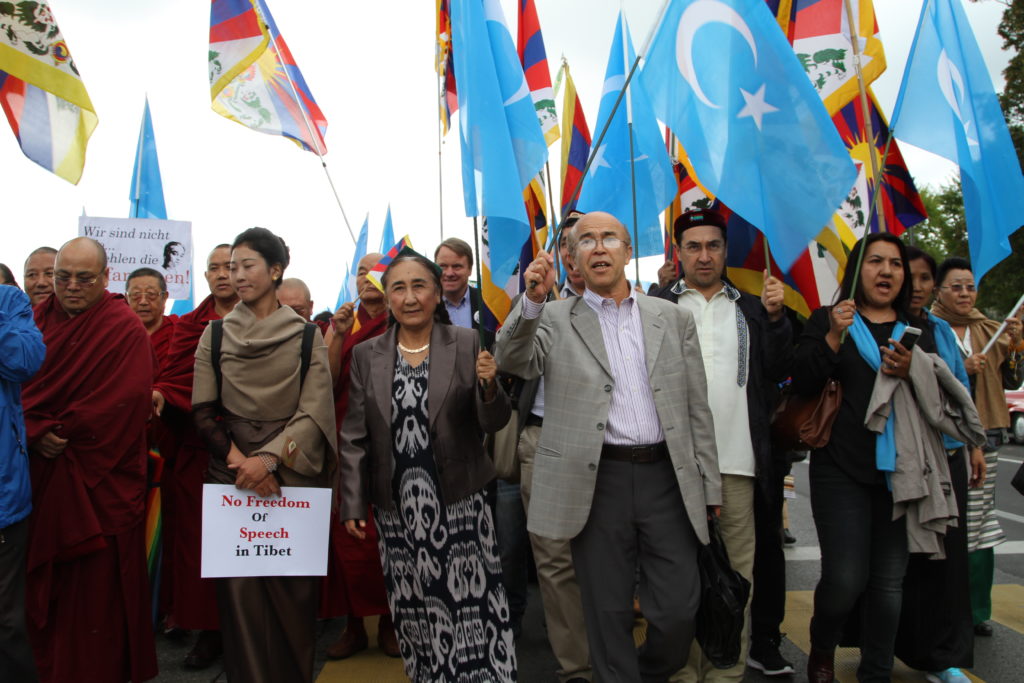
x=910, y=337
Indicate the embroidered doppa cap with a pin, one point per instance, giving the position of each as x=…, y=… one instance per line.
x=697, y=217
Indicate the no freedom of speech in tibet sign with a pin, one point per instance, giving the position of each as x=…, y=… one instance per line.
x=246, y=535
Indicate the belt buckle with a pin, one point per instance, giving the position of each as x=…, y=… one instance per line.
x=635, y=452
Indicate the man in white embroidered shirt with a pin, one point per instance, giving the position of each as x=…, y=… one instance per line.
x=626, y=464
x=746, y=344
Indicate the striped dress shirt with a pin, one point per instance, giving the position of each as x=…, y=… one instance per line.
x=632, y=415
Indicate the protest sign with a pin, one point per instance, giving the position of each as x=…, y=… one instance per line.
x=246, y=535
x=131, y=243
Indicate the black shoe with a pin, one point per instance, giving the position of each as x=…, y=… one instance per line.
x=209, y=646
x=788, y=538
x=983, y=629
x=765, y=657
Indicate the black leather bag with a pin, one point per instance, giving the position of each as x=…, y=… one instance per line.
x=723, y=600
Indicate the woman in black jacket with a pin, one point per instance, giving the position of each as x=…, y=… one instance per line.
x=863, y=549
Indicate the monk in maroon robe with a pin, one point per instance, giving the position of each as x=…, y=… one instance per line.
x=354, y=585
x=195, y=598
x=146, y=291
x=85, y=416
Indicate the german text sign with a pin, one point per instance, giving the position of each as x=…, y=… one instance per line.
x=131, y=243
x=246, y=535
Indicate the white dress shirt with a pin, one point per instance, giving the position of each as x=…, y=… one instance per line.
x=720, y=326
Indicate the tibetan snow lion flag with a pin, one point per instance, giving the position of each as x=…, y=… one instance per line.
x=41, y=90
x=254, y=79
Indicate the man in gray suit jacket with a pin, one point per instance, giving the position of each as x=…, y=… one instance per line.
x=626, y=466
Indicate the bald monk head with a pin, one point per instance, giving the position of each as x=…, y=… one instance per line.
x=370, y=297
x=80, y=275
x=39, y=274
x=293, y=292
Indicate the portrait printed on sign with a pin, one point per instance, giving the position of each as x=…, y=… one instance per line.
x=133, y=243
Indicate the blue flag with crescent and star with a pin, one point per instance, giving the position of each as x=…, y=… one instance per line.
x=759, y=138
x=503, y=147
x=947, y=105
x=608, y=185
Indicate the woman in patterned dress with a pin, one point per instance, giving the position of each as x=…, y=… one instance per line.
x=422, y=395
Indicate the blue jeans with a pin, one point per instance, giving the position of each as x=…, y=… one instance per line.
x=863, y=557
x=514, y=548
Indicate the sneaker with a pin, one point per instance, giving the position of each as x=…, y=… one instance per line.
x=950, y=675
x=765, y=657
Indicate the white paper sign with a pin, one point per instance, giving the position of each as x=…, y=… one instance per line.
x=131, y=243
x=245, y=535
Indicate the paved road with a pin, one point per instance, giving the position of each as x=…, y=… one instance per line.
x=996, y=659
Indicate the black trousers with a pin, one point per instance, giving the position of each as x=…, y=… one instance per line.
x=768, y=604
x=863, y=560
x=16, y=660
x=936, y=628
x=637, y=519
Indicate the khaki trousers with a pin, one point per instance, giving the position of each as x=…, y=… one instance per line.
x=563, y=610
x=737, y=527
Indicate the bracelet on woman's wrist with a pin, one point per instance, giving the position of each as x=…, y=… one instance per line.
x=269, y=461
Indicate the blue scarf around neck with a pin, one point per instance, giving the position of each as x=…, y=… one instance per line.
x=885, y=443
x=949, y=351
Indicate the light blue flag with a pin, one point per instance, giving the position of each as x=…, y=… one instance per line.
x=147, y=192
x=146, y=196
x=503, y=147
x=723, y=77
x=387, y=240
x=348, y=286
x=608, y=183
x=947, y=105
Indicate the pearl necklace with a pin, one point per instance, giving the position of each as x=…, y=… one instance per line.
x=419, y=350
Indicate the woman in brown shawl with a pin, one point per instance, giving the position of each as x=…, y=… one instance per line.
x=989, y=374
x=276, y=428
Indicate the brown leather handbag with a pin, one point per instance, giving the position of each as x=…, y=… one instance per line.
x=801, y=423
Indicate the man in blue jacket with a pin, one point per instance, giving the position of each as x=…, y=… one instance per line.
x=21, y=353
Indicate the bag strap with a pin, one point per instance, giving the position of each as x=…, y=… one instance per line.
x=216, y=337
x=308, y=333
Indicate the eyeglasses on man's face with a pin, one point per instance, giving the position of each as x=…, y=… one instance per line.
x=84, y=280
x=608, y=242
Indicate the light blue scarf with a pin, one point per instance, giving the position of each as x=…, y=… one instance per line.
x=945, y=343
x=885, y=443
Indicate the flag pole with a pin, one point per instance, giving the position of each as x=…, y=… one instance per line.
x=865, y=110
x=309, y=129
x=596, y=145
x=479, y=281
x=440, y=135
x=553, y=221
x=632, y=154
x=999, y=332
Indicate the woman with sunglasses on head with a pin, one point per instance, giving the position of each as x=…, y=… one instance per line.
x=865, y=538
x=989, y=374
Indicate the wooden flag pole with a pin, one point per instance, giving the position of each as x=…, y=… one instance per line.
x=865, y=107
x=309, y=129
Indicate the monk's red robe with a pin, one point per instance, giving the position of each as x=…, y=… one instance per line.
x=194, y=600
x=165, y=441
x=355, y=581
x=87, y=591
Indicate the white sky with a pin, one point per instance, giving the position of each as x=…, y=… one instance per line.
x=370, y=66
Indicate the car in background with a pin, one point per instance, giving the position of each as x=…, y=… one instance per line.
x=1015, y=404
